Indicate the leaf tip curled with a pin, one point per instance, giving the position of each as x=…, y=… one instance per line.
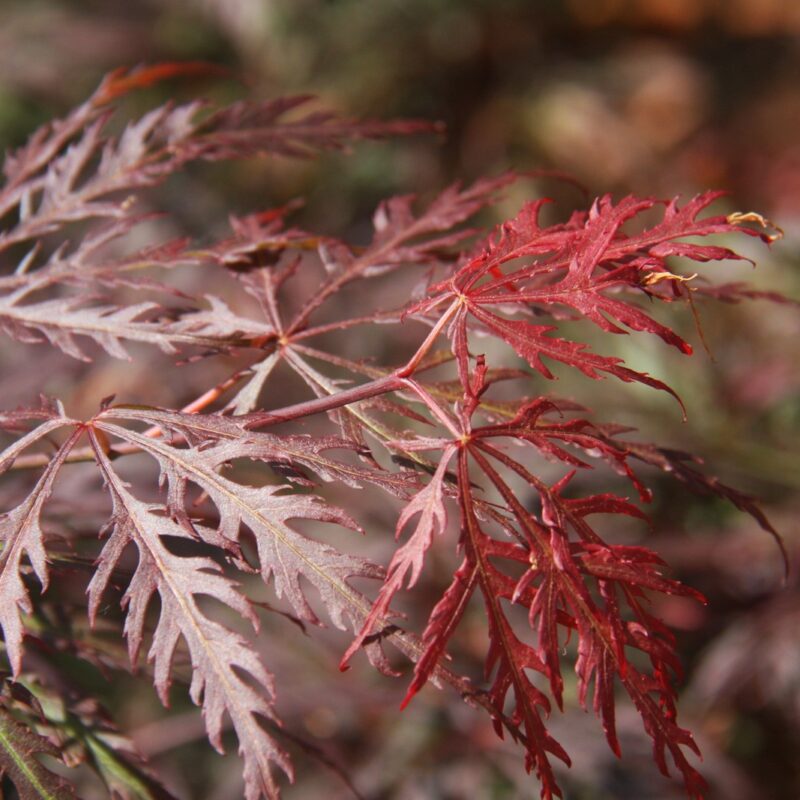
x=738, y=217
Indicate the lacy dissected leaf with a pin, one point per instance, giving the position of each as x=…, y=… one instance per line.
x=68, y=191
x=401, y=237
x=679, y=465
x=572, y=583
x=266, y=510
x=280, y=452
x=220, y=657
x=587, y=264
x=22, y=537
x=556, y=593
x=60, y=321
x=20, y=748
x=72, y=171
x=573, y=251
x=249, y=128
x=50, y=182
x=534, y=341
x=284, y=553
x=429, y=504
x=509, y=657
x=17, y=420
x=258, y=241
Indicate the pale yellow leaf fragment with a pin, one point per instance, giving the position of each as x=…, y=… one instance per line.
x=738, y=217
x=657, y=277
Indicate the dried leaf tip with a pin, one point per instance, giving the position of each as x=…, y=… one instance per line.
x=740, y=217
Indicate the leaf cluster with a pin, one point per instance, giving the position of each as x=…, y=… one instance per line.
x=455, y=433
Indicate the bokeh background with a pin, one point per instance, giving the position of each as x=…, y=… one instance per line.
x=658, y=97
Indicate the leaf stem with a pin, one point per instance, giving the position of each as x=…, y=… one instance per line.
x=433, y=406
x=425, y=347
x=379, y=386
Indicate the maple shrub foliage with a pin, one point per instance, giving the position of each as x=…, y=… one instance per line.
x=459, y=458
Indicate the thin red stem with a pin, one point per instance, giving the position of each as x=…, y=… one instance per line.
x=390, y=383
x=425, y=347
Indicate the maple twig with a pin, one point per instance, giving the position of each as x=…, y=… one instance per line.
x=205, y=400
x=383, y=385
x=390, y=383
x=430, y=339
x=331, y=402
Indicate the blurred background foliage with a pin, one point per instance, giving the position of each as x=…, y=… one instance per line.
x=658, y=97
